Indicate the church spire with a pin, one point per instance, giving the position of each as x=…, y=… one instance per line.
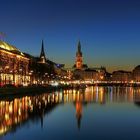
x=79, y=47
x=79, y=58
x=79, y=52
x=42, y=54
x=42, y=50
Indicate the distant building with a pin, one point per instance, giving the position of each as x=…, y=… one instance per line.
x=89, y=75
x=42, y=55
x=79, y=59
x=136, y=74
x=102, y=73
x=13, y=65
x=43, y=70
x=81, y=71
x=108, y=76
x=121, y=76
x=38, y=67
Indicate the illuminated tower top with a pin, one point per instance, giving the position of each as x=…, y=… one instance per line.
x=79, y=58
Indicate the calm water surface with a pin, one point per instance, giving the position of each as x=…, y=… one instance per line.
x=93, y=113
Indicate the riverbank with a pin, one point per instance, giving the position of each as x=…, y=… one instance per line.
x=34, y=90
x=116, y=84
x=31, y=90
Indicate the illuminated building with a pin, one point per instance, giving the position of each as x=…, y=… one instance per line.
x=90, y=74
x=136, y=74
x=82, y=72
x=13, y=65
x=42, y=70
x=123, y=76
x=79, y=59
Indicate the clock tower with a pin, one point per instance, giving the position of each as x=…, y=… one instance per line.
x=79, y=58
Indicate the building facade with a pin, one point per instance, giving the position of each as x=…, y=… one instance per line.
x=136, y=74
x=82, y=72
x=122, y=76
x=79, y=59
x=13, y=65
x=42, y=70
x=89, y=75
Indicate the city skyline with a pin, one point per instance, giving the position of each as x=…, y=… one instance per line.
x=109, y=31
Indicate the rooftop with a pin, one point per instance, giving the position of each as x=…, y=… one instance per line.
x=10, y=48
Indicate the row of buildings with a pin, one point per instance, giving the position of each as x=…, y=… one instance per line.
x=126, y=76
x=82, y=71
x=20, y=68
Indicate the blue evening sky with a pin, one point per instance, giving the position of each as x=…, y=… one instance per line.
x=109, y=30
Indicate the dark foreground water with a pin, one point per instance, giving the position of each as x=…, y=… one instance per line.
x=94, y=113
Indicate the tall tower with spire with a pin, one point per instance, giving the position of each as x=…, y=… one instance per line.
x=42, y=54
x=79, y=57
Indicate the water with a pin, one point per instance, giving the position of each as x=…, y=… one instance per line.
x=93, y=113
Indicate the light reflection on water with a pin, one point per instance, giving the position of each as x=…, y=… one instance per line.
x=30, y=114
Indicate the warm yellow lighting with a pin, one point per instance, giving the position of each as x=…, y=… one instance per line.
x=10, y=108
x=19, y=112
x=102, y=77
x=6, y=67
x=9, y=47
x=3, y=130
x=6, y=116
x=16, y=121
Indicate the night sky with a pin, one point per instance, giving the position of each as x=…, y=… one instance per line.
x=109, y=30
